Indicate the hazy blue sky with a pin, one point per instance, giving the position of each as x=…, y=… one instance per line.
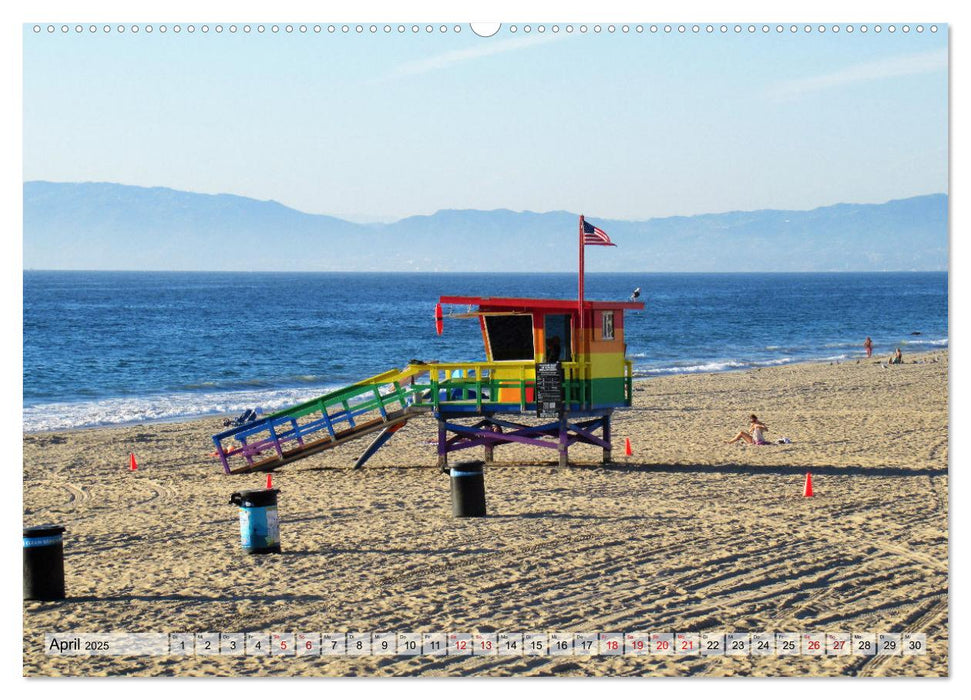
x=380, y=126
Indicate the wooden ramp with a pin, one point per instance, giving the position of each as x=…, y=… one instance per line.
x=385, y=402
x=370, y=406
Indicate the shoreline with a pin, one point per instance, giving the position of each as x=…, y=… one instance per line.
x=636, y=380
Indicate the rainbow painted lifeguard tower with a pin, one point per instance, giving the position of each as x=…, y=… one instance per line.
x=560, y=363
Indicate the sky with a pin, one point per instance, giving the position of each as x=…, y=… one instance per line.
x=379, y=126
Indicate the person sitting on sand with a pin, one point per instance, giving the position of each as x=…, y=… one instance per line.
x=756, y=434
x=896, y=358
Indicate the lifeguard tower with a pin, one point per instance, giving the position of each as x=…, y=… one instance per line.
x=553, y=374
x=544, y=357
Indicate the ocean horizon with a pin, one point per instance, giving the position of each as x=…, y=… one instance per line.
x=113, y=348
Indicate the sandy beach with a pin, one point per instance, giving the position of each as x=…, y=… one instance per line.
x=687, y=535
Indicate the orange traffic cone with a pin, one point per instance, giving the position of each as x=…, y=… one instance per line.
x=269, y=480
x=627, y=450
x=809, y=486
x=132, y=464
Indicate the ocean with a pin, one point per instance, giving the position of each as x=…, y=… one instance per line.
x=106, y=348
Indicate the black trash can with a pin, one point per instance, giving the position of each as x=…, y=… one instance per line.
x=44, y=562
x=259, y=520
x=468, y=489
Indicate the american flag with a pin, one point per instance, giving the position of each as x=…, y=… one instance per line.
x=595, y=236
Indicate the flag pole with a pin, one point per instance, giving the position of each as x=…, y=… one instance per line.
x=580, y=337
x=580, y=288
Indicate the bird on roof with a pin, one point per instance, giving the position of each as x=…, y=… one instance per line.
x=636, y=294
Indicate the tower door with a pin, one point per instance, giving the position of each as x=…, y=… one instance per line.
x=559, y=337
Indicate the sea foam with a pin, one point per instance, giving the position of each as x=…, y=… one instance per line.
x=70, y=415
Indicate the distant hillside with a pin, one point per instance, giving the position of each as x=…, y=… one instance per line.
x=109, y=226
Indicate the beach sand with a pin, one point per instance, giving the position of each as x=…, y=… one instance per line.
x=687, y=535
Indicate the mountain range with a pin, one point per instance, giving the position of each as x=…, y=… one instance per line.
x=107, y=226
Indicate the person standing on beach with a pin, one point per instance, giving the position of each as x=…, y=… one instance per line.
x=868, y=346
x=756, y=434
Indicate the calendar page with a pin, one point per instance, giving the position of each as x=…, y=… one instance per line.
x=590, y=341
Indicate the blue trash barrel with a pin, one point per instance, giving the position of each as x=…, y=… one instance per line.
x=44, y=562
x=259, y=521
x=468, y=489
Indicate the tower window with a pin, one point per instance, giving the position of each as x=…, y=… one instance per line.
x=607, y=329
